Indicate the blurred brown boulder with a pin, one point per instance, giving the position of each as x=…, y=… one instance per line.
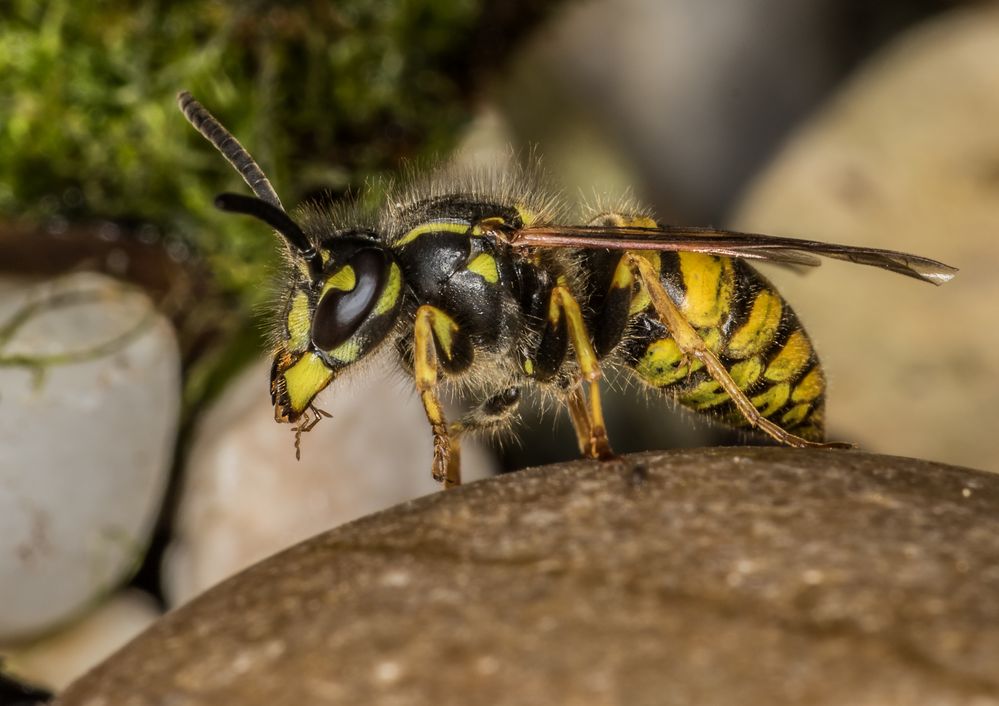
x=905, y=157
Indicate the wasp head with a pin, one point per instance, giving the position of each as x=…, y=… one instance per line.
x=343, y=302
x=333, y=319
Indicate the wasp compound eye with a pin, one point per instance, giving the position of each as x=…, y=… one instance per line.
x=340, y=313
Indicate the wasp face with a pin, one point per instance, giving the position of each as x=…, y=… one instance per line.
x=333, y=319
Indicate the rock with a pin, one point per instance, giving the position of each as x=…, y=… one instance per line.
x=906, y=157
x=722, y=576
x=86, y=442
x=245, y=496
x=57, y=660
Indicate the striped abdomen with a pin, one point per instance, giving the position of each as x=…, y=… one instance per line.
x=748, y=325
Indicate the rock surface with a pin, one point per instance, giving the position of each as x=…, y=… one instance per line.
x=245, y=496
x=89, y=399
x=722, y=576
x=906, y=157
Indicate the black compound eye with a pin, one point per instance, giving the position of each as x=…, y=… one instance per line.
x=340, y=313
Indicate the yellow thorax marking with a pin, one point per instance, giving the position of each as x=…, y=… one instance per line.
x=343, y=280
x=484, y=265
x=527, y=216
x=759, y=330
x=305, y=379
x=391, y=292
x=449, y=225
x=444, y=328
x=710, y=283
x=487, y=225
x=640, y=222
x=299, y=323
x=623, y=277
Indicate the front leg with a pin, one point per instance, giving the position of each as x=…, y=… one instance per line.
x=434, y=330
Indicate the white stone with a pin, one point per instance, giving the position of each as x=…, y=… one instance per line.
x=85, y=445
x=906, y=157
x=246, y=497
x=57, y=660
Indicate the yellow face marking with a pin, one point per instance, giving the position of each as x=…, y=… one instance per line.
x=710, y=283
x=792, y=358
x=390, y=295
x=346, y=352
x=660, y=366
x=342, y=280
x=760, y=329
x=299, y=323
x=773, y=399
x=747, y=372
x=484, y=265
x=324, y=255
x=304, y=380
x=529, y=366
x=705, y=395
x=810, y=387
x=449, y=226
x=794, y=415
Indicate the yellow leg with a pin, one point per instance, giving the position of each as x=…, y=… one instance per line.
x=693, y=345
x=580, y=416
x=563, y=303
x=431, y=323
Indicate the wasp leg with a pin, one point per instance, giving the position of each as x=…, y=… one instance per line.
x=692, y=345
x=492, y=413
x=562, y=303
x=580, y=416
x=434, y=329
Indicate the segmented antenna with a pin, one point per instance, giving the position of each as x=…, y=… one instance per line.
x=207, y=124
x=273, y=216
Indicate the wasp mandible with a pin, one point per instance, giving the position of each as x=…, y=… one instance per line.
x=482, y=289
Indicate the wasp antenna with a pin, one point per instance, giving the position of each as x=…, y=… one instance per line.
x=209, y=126
x=276, y=218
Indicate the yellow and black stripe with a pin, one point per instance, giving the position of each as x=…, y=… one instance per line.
x=741, y=318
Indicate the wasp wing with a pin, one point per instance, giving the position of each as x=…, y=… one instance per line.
x=729, y=243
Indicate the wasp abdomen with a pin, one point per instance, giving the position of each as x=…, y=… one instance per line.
x=745, y=322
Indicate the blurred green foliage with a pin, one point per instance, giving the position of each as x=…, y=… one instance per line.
x=324, y=94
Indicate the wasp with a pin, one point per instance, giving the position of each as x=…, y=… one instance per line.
x=483, y=289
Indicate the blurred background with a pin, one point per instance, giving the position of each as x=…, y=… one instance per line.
x=139, y=460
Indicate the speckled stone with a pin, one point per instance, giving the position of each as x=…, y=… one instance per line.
x=723, y=576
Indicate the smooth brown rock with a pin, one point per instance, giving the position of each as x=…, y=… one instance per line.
x=721, y=576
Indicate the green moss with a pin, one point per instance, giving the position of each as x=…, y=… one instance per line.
x=324, y=94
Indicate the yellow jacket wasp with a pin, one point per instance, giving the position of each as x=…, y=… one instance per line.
x=483, y=288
